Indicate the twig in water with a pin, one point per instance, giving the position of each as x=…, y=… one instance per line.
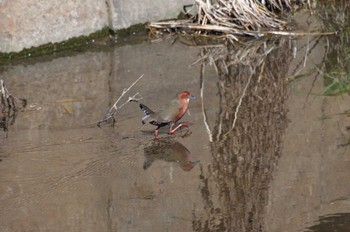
x=9, y=107
x=114, y=109
x=240, y=102
x=307, y=50
x=202, y=103
x=238, y=106
x=8, y=101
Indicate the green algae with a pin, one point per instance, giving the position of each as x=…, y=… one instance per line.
x=337, y=62
x=49, y=48
x=130, y=31
x=132, y=35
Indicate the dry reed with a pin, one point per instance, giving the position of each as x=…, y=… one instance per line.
x=231, y=18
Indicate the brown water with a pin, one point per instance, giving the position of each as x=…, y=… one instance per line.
x=266, y=150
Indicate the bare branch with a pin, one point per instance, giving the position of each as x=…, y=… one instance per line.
x=240, y=102
x=124, y=92
x=238, y=106
x=114, y=109
x=202, y=103
x=134, y=98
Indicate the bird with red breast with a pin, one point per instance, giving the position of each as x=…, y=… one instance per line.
x=169, y=114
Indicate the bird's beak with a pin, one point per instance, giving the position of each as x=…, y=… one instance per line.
x=192, y=97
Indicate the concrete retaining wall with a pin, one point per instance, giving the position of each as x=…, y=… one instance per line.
x=26, y=24
x=126, y=12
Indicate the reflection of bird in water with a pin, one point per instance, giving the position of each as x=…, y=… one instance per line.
x=168, y=114
x=168, y=150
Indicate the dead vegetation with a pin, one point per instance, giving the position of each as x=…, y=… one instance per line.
x=9, y=105
x=231, y=19
x=109, y=116
x=246, y=138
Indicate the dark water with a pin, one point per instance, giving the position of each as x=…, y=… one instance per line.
x=267, y=148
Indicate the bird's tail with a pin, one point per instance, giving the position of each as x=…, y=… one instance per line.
x=145, y=109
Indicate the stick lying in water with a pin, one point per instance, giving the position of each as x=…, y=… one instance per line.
x=114, y=109
x=9, y=105
x=7, y=100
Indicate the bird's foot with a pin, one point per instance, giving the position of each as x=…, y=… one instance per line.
x=156, y=133
x=186, y=134
x=172, y=131
x=156, y=137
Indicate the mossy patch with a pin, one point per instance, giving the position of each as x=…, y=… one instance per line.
x=56, y=47
x=134, y=34
x=132, y=30
x=131, y=35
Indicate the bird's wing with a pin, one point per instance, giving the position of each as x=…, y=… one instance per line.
x=152, y=117
x=145, y=109
x=169, y=111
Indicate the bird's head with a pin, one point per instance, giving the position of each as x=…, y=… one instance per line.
x=185, y=96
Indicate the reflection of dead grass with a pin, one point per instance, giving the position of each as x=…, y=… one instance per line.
x=250, y=56
x=247, y=135
x=334, y=68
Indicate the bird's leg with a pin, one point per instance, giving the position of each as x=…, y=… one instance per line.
x=171, y=130
x=156, y=137
x=156, y=133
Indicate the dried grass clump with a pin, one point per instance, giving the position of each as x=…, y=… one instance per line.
x=243, y=14
x=230, y=18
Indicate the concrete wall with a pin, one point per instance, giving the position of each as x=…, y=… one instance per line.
x=126, y=12
x=26, y=24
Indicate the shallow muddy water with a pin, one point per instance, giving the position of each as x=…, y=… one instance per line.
x=267, y=147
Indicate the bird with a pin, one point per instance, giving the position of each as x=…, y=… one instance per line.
x=168, y=114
